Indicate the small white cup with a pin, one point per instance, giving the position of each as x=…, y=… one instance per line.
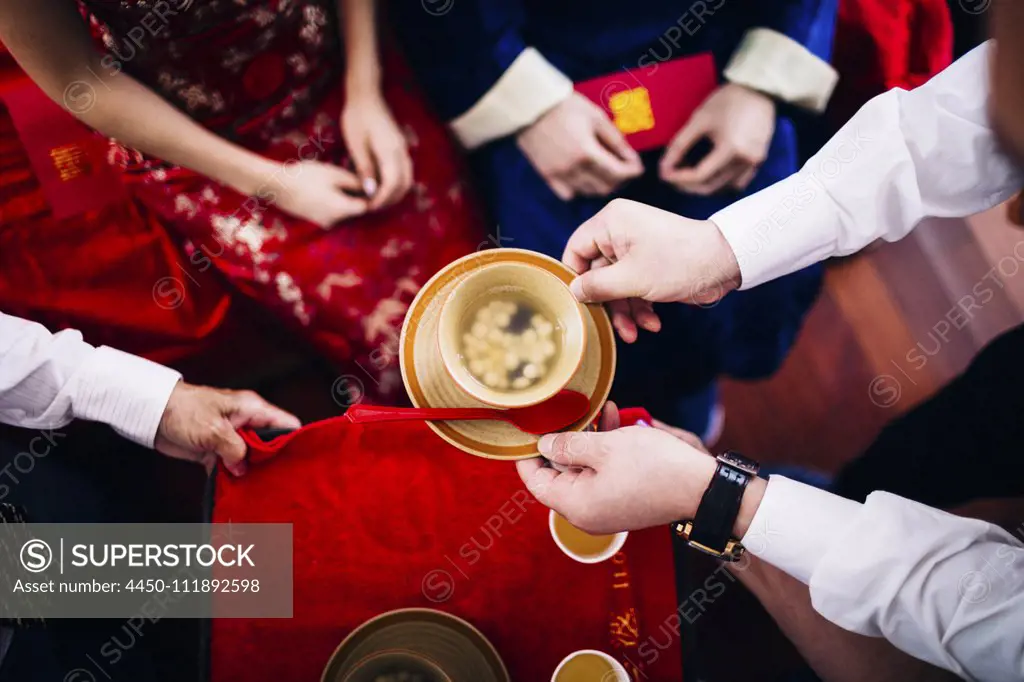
x=618, y=540
x=618, y=673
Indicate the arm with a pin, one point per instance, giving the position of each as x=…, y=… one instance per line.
x=835, y=654
x=903, y=157
x=359, y=35
x=378, y=148
x=46, y=380
x=945, y=589
x=942, y=588
x=51, y=42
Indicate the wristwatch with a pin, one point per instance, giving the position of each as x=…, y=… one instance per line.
x=710, y=530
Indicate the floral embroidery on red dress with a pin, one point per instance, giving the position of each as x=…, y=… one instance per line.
x=268, y=75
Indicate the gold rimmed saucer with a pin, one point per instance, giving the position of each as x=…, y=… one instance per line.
x=437, y=646
x=430, y=385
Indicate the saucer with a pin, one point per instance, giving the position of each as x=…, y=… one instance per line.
x=433, y=639
x=430, y=385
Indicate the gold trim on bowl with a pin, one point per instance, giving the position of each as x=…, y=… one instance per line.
x=339, y=664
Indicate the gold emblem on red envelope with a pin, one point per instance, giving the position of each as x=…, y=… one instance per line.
x=631, y=110
x=70, y=161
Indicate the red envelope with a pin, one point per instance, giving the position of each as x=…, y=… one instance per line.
x=650, y=103
x=68, y=159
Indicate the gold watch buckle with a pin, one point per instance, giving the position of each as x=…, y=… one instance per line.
x=733, y=548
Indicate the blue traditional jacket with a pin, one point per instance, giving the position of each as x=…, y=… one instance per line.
x=501, y=63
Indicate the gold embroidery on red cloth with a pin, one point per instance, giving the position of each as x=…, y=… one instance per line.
x=70, y=161
x=624, y=621
x=620, y=577
x=385, y=317
x=343, y=280
x=625, y=628
x=635, y=673
x=290, y=293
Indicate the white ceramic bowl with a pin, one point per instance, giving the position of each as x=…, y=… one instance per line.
x=546, y=294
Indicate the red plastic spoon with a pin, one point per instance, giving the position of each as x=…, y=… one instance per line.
x=554, y=414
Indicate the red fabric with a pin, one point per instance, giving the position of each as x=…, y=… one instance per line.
x=674, y=90
x=9, y=71
x=112, y=272
x=389, y=516
x=67, y=158
x=885, y=44
x=268, y=75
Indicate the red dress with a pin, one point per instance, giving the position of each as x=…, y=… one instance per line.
x=268, y=74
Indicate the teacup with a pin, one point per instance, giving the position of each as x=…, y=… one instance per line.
x=511, y=334
x=589, y=665
x=581, y=546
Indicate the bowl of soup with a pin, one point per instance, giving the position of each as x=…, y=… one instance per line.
x=511, y=334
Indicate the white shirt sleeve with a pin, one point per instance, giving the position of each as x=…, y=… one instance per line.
x=903, y=157
x=944, y=589
x=46, y=380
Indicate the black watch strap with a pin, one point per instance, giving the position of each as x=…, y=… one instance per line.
x=711, y=529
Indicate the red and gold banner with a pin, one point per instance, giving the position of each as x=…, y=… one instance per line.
x=67, y=158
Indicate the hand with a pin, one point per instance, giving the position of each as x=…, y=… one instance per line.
x=321, y=193
x=200, y=423
x=579, y=151
x=378, y=149
x=632, y=255
x=623, y=479
x=740, y=123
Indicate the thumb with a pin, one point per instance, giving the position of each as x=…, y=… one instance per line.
x=344, y=179
x=613, y=139
x=680, y=145
x=343, y=206
x=574, y=449
x=538, y=478
x=551, y=488
x=610, y=283
x=366, y=169
x=229, y=447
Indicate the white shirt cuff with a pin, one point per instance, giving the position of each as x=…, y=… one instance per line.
x=779, y=230
x=528, y=89
x=794, y=525
x=125, y=391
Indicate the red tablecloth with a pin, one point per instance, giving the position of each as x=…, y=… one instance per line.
x=389, y=516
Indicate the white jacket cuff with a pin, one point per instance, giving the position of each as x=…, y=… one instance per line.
x=125, y=391
x=794, y=525
x=528, y=89
x=782, y=68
